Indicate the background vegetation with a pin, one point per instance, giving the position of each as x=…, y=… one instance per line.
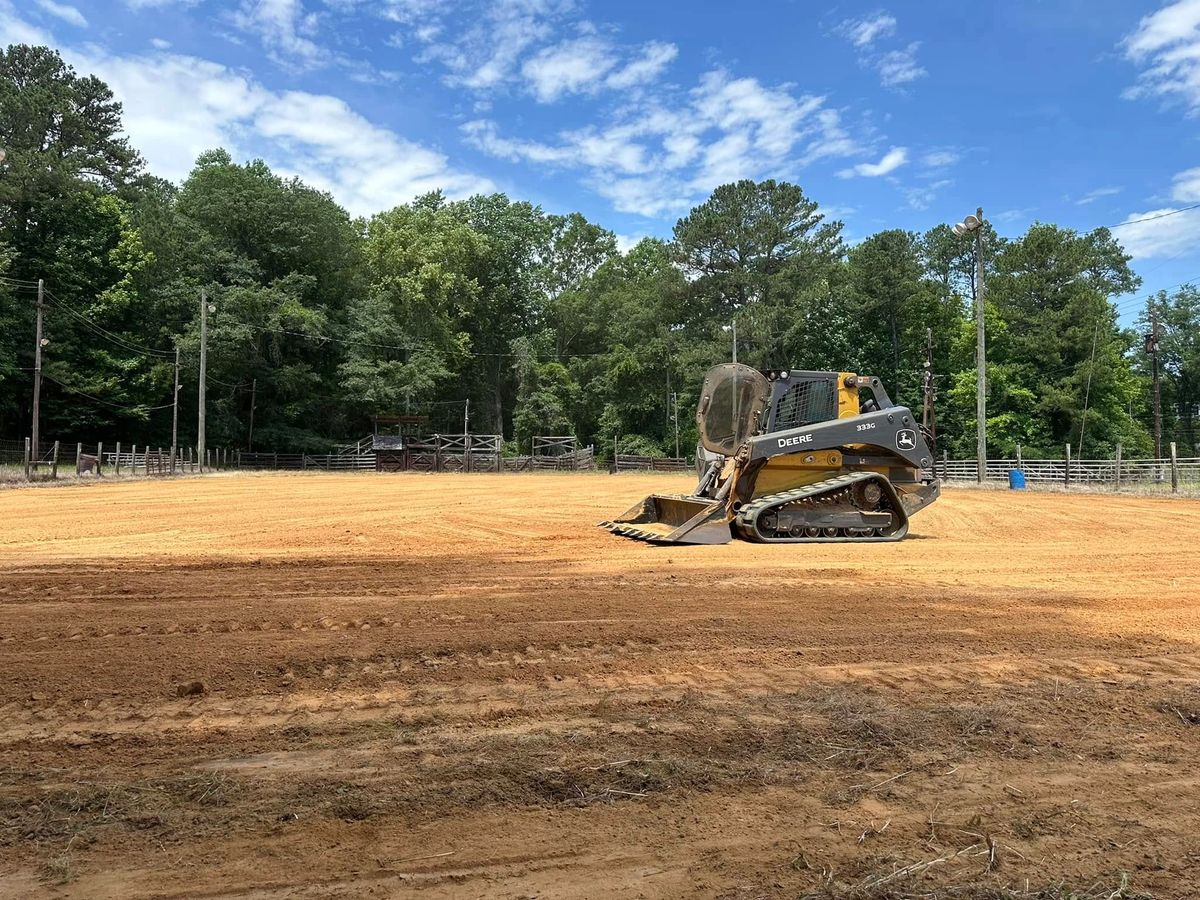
x=537, y=319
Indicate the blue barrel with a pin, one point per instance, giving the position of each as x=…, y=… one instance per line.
x=1016, y=480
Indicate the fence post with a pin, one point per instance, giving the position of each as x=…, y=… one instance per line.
x=1174, y=470
x=1117, y=474
x=118, y=469
x=78, y=455
x=27, y=443
x=1067, y=469
x=945, y=464
x=133, y=460
x=238, y=459
x=437, y=453
x=1020, y=462
x=99, y=458
x=54, y=462
x=189, y=460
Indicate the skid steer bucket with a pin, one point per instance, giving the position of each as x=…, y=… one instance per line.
x=674, y=519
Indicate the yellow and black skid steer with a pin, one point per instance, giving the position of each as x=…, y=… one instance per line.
x=794, y=457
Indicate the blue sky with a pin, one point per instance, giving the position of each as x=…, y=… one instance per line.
x=889, y=115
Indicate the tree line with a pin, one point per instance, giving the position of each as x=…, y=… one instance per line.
x=321, y=321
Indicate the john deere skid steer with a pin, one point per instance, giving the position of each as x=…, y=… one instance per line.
x=794, y=457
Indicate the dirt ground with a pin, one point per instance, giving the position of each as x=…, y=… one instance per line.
x=456, y=686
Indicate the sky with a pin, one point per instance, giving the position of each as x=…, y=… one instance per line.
x=902, y=115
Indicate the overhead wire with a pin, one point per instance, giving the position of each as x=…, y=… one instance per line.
x=101, y=400
x=1164, y=215
x=124, y=343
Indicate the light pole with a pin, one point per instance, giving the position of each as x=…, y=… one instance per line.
x=974, y=224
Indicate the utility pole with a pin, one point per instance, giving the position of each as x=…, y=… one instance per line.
x=253, y=400
x=675, y=416
x=175, y=413
x=929, y=412
x=980, y=357
x=37, y=374
x=203, y=376
x=1087, y=393
x=1152, y=349
x=735, y=340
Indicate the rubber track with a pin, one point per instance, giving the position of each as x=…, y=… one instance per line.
x=747, y=517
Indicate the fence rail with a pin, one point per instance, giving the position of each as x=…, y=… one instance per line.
x=329, y=462
x=626, y=462
x=1172, y=471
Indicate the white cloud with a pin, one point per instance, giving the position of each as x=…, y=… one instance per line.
x=1163, y=237
x=365, y=166
x=895, y=67
x=1097, y=194
x=64, y=11
x=285, y=30
x=14, y=30
x=922, y=196
x=485, y=55
x=522, y=42
x=572, y=67
x=892, y=160
x=320, y=138
x=644, y=68
x=940, y=159
x=160, y=44
x=158, y=4
x=1186, y=186
x=898, y=67
x=864, y=32
x=663, y=150
x=1166, y=44
x=626, y=242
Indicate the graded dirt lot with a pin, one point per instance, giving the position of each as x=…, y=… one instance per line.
x=455, y=686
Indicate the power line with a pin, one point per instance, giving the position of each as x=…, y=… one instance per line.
x=17, y=282
x=1173, y=212
x=101, y=400
x=122, y=342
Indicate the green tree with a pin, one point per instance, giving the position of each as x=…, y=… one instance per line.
x=757, y=252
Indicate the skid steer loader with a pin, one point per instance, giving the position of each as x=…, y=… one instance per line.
x=794, y=457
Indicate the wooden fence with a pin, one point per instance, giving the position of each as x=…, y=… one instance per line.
x=54, y=458
x=1171, y=472
x=329, y=462
x=625, y=462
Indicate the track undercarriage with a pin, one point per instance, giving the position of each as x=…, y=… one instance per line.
x=857, y=506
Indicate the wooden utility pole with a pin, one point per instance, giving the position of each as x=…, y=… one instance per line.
x=675, y=416
x=37, y=375
x=175, y=413
x=980, y=357
x=929, y=412
x=200, y=456
x=1152, y=349
x=253, y=400
x=1087, y=394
